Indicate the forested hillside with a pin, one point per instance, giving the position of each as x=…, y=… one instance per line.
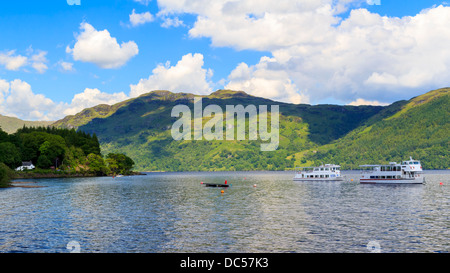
x=309, y=135
x=421, y=129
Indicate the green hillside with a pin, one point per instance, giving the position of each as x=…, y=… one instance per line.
x=11, y=124
x=420, y=128
x=347, y=135
x=141, y=128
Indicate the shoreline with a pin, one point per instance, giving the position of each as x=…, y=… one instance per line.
x=32, y=175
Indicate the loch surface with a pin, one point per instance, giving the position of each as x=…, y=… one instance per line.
x=259, y=212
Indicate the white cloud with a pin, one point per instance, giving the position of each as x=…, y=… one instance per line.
x=4, y=90
x=188, y=75
x=137, y=19
x=265, y=80
x=172, y=22
x=12, y=61
x=100, y=48
x=359, y=102
x=144, y=2
x=321, y=55
x=17, y=99
x=66, y=66
x=20, y=101
x=39, y=61
x=92, y=97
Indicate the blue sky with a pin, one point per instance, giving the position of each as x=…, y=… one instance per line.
x=56, y=58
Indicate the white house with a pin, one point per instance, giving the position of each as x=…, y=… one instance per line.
x=26, y=165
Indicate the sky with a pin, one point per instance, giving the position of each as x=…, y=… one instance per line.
x=58, y=57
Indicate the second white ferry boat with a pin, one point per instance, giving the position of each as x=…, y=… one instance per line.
x=327, y=172
x=408, y=172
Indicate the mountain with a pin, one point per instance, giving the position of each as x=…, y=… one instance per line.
x=11, y=124
x=419, y=128
x=309, y=134
x=141, y=128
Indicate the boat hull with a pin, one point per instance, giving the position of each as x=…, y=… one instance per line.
x=418, y=180
x=217, y=185
x=331, y=179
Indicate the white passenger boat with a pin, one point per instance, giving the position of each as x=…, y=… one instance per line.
x=408, y=172
x=327, y=172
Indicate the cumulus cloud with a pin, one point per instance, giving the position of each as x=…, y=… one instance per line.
x=38, y=61
x=66, y=66
x=100, y=48
x=143, y=2
x=359, y=102
x=17, y=99
x=323, y=54
x=12, y=61
x=188, y=75
x=15, y=62
x=20, y=101
x=4, y=90
x=92, y=97
x=171, y=22
x=267, y=80
x=137, y=19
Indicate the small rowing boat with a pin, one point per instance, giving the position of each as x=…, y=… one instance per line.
x=216, y=185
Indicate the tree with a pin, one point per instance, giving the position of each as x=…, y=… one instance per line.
x=119, y=163
x=97, y=164
x=10, y=154
x=43, y=162
x=6, y=175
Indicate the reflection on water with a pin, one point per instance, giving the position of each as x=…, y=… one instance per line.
x=173, y=212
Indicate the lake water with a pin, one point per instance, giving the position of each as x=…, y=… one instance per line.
x=173, y=212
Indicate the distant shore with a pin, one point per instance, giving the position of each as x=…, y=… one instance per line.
x=56, y=174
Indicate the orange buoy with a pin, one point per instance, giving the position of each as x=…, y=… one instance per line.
x=222, y=191
x=254, y=185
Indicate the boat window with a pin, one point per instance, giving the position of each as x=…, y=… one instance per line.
x=415, y=163
x=327, y=169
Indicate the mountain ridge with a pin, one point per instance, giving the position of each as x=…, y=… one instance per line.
x=141, y=127
x=12, y=124
x=309, y=134
x=419, y=128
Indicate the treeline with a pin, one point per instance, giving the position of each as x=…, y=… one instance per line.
x=58, y=149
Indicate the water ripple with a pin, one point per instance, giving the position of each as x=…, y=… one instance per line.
x=173, y=212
